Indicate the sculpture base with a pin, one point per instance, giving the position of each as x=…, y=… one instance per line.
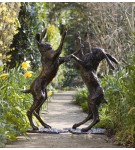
x=66, y=130
x=47, y=130
x=92, y=131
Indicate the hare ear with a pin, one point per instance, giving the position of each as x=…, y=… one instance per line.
x=113, y=59
x=38, y=38
x=109, y=62
x=43, y=34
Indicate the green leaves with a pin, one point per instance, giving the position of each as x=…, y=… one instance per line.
x=14, y=104
x=81, y=97
x=119, y=90
x=53, y=36
x=8, y=28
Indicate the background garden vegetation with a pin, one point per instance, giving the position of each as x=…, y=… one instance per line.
x=112, y=24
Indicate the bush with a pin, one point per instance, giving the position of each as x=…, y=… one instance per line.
x=81, y=96
x=8, y=28
x=14, y=104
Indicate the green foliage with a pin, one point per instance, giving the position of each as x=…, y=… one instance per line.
x=8, y=28
x=59, y=79
x=24, y=42
x=14, y=104
x=70, y=74
x=53, y=36
x=80, y=97
x=84, y=106
x=120, y=93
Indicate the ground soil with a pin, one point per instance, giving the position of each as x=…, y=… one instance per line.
x=63, y=113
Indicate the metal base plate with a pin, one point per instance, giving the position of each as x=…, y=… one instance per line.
x=76, y=131
x=92, y=131
x=65, y=130
x=47, y=130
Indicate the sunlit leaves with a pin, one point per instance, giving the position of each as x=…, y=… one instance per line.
x=4, y=76
x=8, y=27
x=14, y=104
x=53, y=36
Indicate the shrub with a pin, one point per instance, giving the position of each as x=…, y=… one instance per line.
x=81, y=96
x=14, y=104
x=8, y=27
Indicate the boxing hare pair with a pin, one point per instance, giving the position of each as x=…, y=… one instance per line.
x=88, y=64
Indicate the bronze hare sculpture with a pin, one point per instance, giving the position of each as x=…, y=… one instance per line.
x=50, y=63
x=88, y=64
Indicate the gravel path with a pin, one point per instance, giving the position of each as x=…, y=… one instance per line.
x=62, y=113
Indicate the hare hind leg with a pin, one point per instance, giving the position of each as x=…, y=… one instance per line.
x=90, y=116
x=94, y=104
x=37, y=111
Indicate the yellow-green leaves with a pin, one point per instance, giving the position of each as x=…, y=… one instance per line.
x=4, y=76
x=53, y=35
x=8, y=27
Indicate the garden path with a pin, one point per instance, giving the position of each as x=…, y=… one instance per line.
x=62, y=113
